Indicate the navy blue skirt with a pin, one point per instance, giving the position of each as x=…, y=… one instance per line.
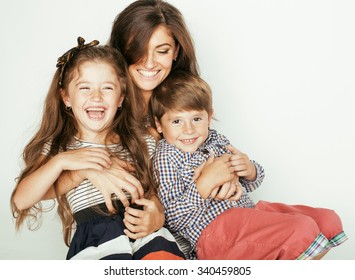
x=99, y=236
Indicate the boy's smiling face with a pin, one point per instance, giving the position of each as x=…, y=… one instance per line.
x=187, y=130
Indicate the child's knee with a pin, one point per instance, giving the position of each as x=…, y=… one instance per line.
x=329, y=223
x=303, y=231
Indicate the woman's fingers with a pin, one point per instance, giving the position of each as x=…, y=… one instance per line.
x=238, y=193
x=85, y=158
x=140, y=223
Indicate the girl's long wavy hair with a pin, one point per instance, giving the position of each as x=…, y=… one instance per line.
x=58, y=126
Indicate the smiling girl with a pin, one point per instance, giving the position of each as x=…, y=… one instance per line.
x=90, y=121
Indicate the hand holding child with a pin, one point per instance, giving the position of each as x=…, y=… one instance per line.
x=214, y=173
x=140, y=223
x=115, y=180
x=231, y=190
x=85, y=158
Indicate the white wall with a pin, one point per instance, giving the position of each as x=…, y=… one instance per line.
x=282, y=73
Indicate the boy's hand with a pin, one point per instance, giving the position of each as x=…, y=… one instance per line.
x=241, y=164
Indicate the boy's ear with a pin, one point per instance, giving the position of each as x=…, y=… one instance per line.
x=65, y=98
x=158, y=125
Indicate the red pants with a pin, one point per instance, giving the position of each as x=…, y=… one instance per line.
x=270, y=231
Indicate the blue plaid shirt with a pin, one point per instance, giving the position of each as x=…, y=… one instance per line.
x=186, y=212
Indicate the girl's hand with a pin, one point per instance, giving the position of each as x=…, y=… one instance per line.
x=140, y=223
x=241, y=164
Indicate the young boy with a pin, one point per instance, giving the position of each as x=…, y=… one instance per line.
x=219, y=223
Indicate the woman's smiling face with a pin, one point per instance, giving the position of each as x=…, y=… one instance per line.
x=152, y=69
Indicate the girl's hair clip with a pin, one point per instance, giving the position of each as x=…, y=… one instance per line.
x=65, y=58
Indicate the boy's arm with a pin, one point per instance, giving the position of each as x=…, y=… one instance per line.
x=251, y=185
x=180, y=200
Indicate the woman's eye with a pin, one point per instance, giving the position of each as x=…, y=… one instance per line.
x=84, y=88
x=163, y=51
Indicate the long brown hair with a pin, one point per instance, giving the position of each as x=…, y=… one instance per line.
x=134, y=26
x=58, y=126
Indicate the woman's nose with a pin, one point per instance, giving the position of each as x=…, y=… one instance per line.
x=149, y=61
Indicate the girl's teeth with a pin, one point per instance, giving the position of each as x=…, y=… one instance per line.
x=95, y=113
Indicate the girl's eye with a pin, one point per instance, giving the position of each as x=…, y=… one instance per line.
x=197, y=119
x=176, y=121
x=108, y=88
x=84, y=88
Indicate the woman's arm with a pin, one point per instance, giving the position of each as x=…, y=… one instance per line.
x=214, y=173
x=39, y=184
x=35, y=186
x=112, y=180
x=141, y=223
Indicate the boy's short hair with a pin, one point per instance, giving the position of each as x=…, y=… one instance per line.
x=181, y=91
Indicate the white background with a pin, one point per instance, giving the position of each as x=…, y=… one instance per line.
x=283, y=78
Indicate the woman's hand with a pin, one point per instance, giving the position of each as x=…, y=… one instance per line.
x=85, y=158
x=238, y=192
x=214, y=173
x=231, y=190
x=115, y=180
x=140, y=223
